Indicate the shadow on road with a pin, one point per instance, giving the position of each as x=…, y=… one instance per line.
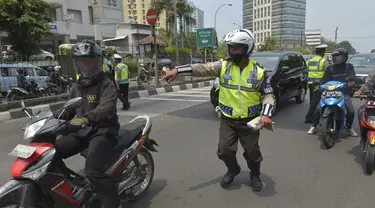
x=290, y=115
x=242, y=179
x=156, y=187
x=204, y=111
x=359, y=157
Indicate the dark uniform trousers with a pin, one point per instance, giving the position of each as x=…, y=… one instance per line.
x=230, y=132
x=98, y=160
x=314, y=101
x=124, y=94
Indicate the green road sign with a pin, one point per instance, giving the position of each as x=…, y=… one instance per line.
x=205, y=37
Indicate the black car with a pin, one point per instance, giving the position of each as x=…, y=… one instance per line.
x=363, y=64
x=287, y=72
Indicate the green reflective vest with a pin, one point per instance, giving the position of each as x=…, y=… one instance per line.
x=316, y=68
x=122, y=73
x=239, y=95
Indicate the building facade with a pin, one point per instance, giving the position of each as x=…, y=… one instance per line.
x=135, y=12
x=282, y=19
x=313, y=37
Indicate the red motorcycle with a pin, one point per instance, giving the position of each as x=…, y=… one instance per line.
x=42, y=180
x=367, y=130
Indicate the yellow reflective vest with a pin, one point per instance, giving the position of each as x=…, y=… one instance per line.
x=315, y=68
x=122, y=73
x=239, y=95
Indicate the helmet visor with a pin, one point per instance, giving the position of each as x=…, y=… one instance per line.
x=88, y=67
x=340, y=59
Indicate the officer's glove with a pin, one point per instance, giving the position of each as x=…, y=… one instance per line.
x=77, y=123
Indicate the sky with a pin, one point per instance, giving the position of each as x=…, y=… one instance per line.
x=354, y=18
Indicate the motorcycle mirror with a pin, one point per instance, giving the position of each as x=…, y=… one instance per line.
x=23, y=105
x=73, y=103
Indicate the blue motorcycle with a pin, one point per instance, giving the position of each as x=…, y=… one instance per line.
x=332, y=112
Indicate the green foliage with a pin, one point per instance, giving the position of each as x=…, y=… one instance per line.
x=222, y=51
x=343, y=44
x=65, y=49
x=26, y=23
x=132, y=66
x=270, y=44
x=184, y=51
x=372, y=51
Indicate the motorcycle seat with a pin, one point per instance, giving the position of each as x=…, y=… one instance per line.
x=128, y=133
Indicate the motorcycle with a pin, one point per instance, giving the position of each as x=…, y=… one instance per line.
x=33, y=90
x=41, y=178
x=367, y=130
x=332, y=112
x=64, y=85
x=143, y=78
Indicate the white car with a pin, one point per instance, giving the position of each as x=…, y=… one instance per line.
x=43, y=56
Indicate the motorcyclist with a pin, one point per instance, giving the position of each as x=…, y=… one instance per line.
x=245, y=94
x=342, y=72
x=21, y=79
x=108, y=67
x=122, y=79
x=96, y=123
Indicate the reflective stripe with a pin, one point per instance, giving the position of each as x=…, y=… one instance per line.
x=227, y=76
x=314, y=62
x=123, y=81
x=235, y=87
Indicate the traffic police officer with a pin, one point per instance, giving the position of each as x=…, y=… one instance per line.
x=316, y=67
x=245, y=93
x=122, y=79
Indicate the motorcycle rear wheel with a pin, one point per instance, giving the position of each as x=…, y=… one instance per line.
x=370, y=157
x=328, y=137
x=141, y=189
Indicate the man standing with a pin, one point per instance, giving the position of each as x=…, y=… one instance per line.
x=245, y=93
x=316, y=67
x=122, y=79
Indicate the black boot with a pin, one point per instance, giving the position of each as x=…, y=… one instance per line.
x=233, y=170
x=256, y=182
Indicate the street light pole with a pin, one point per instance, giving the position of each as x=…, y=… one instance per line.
x=239, y=26
x=217, y=11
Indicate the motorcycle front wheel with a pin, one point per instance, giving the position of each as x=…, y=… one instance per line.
x=143, y=179
x=329, y=134
x=369, y=160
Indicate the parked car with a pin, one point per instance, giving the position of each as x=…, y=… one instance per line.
x=8, y=76
x=287, y=72
x=363, y=64
x=43, y=56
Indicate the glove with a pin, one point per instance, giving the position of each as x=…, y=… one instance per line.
x=77, y=123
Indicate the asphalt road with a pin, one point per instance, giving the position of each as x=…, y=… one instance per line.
x=297, y=170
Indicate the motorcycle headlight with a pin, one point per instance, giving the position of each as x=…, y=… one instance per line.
x=331, y=87
x=371, y=121
x=33, y=128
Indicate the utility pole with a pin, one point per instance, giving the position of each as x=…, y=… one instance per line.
x=175, y=20
x=301, y=41
x=281, y=23
x=337, y=28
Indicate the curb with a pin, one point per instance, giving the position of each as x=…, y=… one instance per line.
x=18, y=113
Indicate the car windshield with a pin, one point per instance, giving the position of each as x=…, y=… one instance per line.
x=267, y=61
x=363, y=61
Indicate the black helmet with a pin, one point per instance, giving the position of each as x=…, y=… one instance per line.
x=87, y=59
x=340, y=56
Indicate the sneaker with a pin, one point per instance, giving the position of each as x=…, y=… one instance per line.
x=351, y=132
x=311, y=130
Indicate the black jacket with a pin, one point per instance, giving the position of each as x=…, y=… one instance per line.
x=99, y=106
x=342, y=73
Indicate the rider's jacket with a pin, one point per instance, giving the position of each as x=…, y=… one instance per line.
x=340, y=72
x=369, y=84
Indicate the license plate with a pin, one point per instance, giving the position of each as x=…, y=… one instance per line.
x=22, y=151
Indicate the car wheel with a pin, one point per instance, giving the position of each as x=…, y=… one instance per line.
x=300, y=98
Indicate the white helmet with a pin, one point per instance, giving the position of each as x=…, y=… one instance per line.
x=57, y=68
x=241, y=37
x=116, y=56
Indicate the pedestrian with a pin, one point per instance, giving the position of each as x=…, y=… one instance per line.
x=122, y=79
x=245, y=93
x=316, y=67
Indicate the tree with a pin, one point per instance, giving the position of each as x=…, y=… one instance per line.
x=270, y=44
x=183, y=12
x=343, y=44
x=26, y=23
x=372, y=51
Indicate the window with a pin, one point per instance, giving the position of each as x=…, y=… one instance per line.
x=284, y=61
x=261, y=13
x=41, y=72
x=143, y=5
x=261, y=25
x=255, y=13
x=261, y=2
x=30, y=72
x=265, y=12
x=77, y=15
x=269, y=24
x=4, y=72
x=144, y=17
x=269, y=11
x=258, y=13
x=91, y=15
x=130, y=12
x=143, y=12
